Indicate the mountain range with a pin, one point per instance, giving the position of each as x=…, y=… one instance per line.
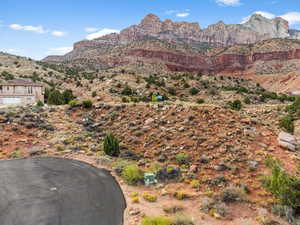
x=182, y=46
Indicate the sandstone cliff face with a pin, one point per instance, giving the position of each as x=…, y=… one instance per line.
x=110, y=39
x=295, y=34
x=179, y=45
x=224, y=62
x=258, y=28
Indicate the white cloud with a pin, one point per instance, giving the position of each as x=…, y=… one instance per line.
x=36, y=29
x=58, y=33
x=170, y=12
x=292, y=17
x=90, y=29
x=59, y=51
x=178, y=13
x=101, y=33
x=14, y=51
x=228, y=2
x=185, y=14
x=262, y=13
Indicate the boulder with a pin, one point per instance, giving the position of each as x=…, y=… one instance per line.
x=3, y=119
x=288, y=141
x=36, y=150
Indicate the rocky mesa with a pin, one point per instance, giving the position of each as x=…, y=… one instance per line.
x=184, y=46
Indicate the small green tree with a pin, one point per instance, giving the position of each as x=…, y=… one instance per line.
x=56, y=98
x=182, y=158
x=111, y=145
x=199, y=74
x=132, y=174
x=39, y=104
x=284, y=187
x=194, y=91
x=287, y=123
x=200, y=101
x=247, y=100
x=68, y=96
x=127, y=91
x=87, y=104
x=235, y=105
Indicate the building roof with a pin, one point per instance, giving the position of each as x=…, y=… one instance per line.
x=21, y=82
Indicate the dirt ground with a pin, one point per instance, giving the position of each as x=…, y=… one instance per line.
x=16, y=141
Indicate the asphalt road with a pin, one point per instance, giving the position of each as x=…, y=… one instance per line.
x=57, y=191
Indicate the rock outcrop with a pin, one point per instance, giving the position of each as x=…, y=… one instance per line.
x=288, y=141
x=258, y=28
x=184, y=46
x=224, y=62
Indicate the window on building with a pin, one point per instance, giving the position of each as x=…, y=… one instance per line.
x=29, y=90
x=1, y=89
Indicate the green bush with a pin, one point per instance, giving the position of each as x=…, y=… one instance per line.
x=73, y=103
x=172, y=91
x=235, y=105
x=294, y=108
x=232, y=194
x=287, y=123
x=68, y=96
x=262, y=98
x=94, y=94
x=284, y=187
x=7, y=75
x=247, y=100
x=161, y=220
x=186, y=85
x=194, y=91
x=127, y=91
x=182, y=158
x=200, y=101
x=132, y=174
x=150, y=198
x=56, y=98
x=39, y=104
x=124, y=99
x=87, y=104
x=238, y=89
x=212, y=91
x=182, y=219
x=111, y=145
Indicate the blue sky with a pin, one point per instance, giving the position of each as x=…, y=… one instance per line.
x=36, y=28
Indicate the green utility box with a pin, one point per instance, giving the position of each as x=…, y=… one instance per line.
x=149, y=178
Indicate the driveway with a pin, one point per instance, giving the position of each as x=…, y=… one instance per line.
x=57, y=191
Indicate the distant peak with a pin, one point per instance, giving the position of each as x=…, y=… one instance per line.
x=278, y=18
x=151, y=15
x=151, y=18
x=221, y=22
x=257, y=16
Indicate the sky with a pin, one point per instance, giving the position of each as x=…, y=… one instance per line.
x=36, y=28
